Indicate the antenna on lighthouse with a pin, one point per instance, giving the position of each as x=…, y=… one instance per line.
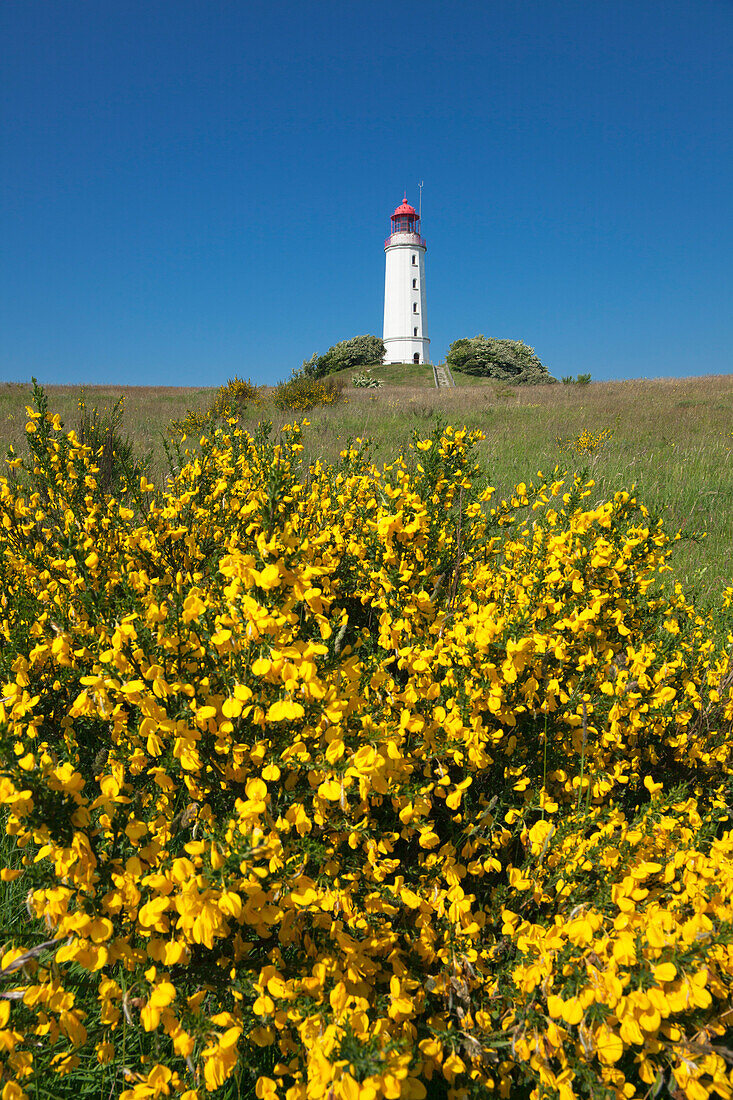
x=420, y=185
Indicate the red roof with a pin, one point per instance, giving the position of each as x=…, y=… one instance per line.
x=404, y=208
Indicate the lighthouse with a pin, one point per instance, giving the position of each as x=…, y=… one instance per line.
x=405, y=318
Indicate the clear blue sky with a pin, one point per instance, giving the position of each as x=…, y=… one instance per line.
x=193, y=189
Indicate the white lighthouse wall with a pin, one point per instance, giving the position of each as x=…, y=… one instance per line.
x=400, y=298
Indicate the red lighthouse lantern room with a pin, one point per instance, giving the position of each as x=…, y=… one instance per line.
x=406, y=219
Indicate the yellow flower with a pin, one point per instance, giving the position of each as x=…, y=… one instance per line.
x=609, y=1046
x=220, y=1058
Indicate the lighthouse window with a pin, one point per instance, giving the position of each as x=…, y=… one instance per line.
x=414, y=284
x=414, y=307
x=414, y=258
x=414, y=332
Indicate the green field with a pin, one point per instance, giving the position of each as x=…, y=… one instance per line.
x=672, y=438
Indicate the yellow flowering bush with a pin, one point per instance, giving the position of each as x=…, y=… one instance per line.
x=230, y=401
x=339, y=782
x=237, y=394
x=587, y=442
x=301, y=392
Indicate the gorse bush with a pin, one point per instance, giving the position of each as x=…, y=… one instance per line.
x=338, y=783
x=193, y=421
x=587, y=443
x=98, y=429
x=302, y=392
x=238, y=395
x=230, y=401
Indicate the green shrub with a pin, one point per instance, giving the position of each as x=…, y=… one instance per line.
x=583, y=379
x=360, y=351
x=510, y=361
x=365, y=381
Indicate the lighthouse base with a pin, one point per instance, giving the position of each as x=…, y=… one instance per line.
x=401, y=350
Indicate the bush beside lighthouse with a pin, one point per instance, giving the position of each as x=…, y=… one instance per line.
x=405, y=312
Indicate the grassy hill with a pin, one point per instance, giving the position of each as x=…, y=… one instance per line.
x=393, y=374
x=411, y=374
x=672, y=438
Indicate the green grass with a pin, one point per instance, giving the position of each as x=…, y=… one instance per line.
x=673, y=439
x=410, y=374
x=394, y=374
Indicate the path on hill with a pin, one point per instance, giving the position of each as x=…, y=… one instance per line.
x=443, y=377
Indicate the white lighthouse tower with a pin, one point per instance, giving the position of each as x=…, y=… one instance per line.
x=405, y=317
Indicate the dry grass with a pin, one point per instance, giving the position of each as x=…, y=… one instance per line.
x=148, y=409
x=673, y=438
